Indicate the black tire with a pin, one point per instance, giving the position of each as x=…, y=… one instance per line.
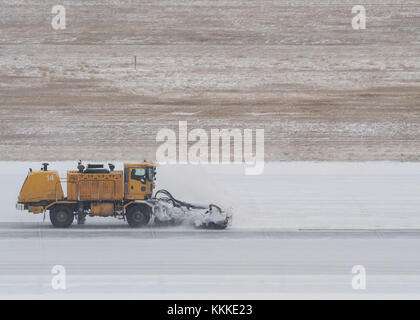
x=61, y=216
x=138, y=216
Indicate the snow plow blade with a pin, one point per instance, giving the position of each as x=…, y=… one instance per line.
x=170, y=211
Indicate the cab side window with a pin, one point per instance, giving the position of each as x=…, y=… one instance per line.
x=139, y=174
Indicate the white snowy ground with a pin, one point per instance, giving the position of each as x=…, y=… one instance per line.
x=297, y=231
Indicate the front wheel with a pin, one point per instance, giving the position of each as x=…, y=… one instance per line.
x=61, y=217
x=138, y=216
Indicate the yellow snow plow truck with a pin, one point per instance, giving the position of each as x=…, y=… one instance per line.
x=98, y=191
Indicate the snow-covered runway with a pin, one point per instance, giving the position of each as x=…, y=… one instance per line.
x=120, y=263
x=297, y=231
x=293, y=195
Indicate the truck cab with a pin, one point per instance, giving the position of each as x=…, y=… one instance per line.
x=139, y=180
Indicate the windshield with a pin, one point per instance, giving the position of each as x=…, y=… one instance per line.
x=139, y=174
x=143, y=174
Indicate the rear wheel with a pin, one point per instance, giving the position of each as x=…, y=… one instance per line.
x=138, y=216
x=61, y=217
